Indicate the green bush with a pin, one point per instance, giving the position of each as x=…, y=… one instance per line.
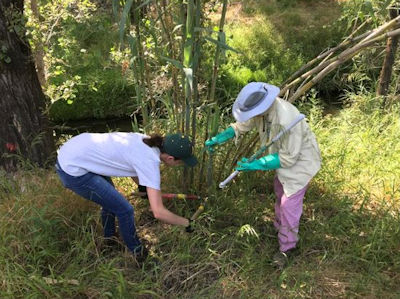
x=99, y=96
x=85, y=79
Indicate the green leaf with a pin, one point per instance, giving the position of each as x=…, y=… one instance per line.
x=248, y=230
x=176, y=63
x=7, y=59
x=124, y=17
x=222, y=45
x=132, y=40
x=143, y=4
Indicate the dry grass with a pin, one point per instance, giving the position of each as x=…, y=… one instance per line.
x=55, y=237
x=243, y=12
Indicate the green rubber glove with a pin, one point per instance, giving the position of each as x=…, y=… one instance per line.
x=268, y=162
x=220, y=138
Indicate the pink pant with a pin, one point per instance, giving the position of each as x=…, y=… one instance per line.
x=288, y=211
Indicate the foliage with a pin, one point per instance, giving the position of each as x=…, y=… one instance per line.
x=362, y=10
x=84, y=61
x=364, y=70
x=365, y=163
x=80, y=65
x=84, y=78
x=276, y=41
x=305, y=27
x=309, y=32
x=98, y=96
x=51, y=245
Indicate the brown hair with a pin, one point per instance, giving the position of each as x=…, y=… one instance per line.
x=155, y=140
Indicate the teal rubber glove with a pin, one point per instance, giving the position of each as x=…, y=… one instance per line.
x=268, y=162
x=220, y=138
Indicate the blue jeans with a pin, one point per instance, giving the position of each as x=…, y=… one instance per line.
x=101, y=190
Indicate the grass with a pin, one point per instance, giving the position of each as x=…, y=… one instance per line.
x=274, y=39
x=304, y=28
x=51, y=245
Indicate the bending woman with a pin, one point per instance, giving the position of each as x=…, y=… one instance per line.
x=86, y=162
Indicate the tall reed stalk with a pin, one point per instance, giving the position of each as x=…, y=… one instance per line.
x=196, y=65
x=188, y=60
x=178, y=34
x=131, y=12
x=221, y=39
x=167, y=30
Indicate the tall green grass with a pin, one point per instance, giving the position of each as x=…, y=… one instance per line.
x=263, y=56
x=361, y=150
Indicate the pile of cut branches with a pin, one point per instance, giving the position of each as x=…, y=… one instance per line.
x=315, y=70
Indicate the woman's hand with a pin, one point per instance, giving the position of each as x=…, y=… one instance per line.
x=162, y=213
x=268, y=162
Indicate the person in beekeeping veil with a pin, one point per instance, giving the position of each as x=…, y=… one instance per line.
x=296, y=158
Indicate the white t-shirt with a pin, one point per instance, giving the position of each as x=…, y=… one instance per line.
x=112, y=154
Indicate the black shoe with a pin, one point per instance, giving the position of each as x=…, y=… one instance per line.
x=140, y=254
x=281, y=259
x=113, y=244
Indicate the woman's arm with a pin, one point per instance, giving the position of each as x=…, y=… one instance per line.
x=244, y=127
x=160, y=212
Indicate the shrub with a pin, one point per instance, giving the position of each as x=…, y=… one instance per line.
x=85, y=79
x=98, y=96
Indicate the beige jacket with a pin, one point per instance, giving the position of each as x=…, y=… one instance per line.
x=298, y=150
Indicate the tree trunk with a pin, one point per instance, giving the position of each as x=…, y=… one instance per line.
x=39, y=51
x=24, y=130
x=386, y=72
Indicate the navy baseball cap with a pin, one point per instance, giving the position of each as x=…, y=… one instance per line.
x=180, y=147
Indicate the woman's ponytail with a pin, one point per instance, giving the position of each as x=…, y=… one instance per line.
x=154, y=141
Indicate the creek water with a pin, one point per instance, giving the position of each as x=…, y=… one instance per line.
x=123, y=124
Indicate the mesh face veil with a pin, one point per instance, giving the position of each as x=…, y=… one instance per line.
x=252, y=101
